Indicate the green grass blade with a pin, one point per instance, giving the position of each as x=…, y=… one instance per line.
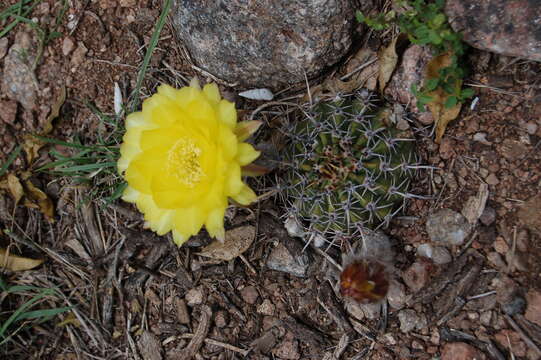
x=87, y=167
x=21, y=310
x=11, y=159
x=46, y=313
x=151, y=46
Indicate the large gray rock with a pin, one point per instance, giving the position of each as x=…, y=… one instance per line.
x=269, y=43
x=508, y=27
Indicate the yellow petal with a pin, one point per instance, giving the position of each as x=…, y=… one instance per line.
x=227, y=141
x=137, y=120
x=179, y=238
x=127, y=153
x=246, y=154
x=130, y=195
x=163, y=137
x=215, y=223
x=227, y=113
x=188, y=221
x=212, y=93
x=168, y=91
x=169, y=197
x=233, y=181
x=163, y=223
x=203, y=118
x=246, y=196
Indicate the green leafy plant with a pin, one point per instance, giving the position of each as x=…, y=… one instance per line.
x=29, y=312
x=426, y=24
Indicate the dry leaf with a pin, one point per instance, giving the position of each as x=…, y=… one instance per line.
x=333, y=86
x=388, y=59
x=236, y=242
x=71, y=319
x=32, y=144
x=17, y=263
x=38, y=199
x=55, y=111
x=254, y=170
x=12, y=184
x=245, y=129
x=442, y=115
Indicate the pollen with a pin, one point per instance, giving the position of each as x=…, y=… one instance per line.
x=183, y=162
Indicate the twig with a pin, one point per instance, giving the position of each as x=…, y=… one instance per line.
x=218, y=343
x=272, y=103
x=522, y=334
x=248, y=265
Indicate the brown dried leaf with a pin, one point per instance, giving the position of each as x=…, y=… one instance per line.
x=38, y=199
x=236, y=242
x=245, y=129
x=388, y=58
x=442, y=115
x=32, y=144
x=17, y=263
x=254, y=170
x=12, y=184
x=55, y=111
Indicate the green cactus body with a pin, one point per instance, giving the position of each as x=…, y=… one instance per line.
x=349, y=171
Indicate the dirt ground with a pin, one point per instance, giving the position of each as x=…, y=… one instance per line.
x=137, y=296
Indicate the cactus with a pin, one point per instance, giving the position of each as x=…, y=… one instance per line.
x=349, y=171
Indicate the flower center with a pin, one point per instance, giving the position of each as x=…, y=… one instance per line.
x=183, y=162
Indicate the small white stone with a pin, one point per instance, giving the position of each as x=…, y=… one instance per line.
x=293, y=228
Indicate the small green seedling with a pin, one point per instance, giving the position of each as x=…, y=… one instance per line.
x=426, y=24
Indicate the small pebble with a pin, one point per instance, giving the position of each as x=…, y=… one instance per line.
x=500, y=245
x=195, y=296
x=438, y=254
x=485, y=318
x=531, y=128
x=410, y=320
x=249, y=294
x=492, y=179
x=447, y=227
x=266, y=308
x=496, y=259
x=482, y=138
x=488, y=216
x=516, y=305
x=67, y=46
x=416, y=276
x=396, y=296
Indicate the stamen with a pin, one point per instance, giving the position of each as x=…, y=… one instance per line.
x=183, y=162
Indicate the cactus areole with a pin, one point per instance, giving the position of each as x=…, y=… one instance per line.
x=349, y=170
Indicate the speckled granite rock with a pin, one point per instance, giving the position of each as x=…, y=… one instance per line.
x=508, y=27
x=268, y=43
x=18, y=81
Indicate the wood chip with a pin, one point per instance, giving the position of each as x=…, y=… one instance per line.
x=475, y=205
x=149, y=346
x=183, y=316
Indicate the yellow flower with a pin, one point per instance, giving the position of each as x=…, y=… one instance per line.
x=182, y=157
